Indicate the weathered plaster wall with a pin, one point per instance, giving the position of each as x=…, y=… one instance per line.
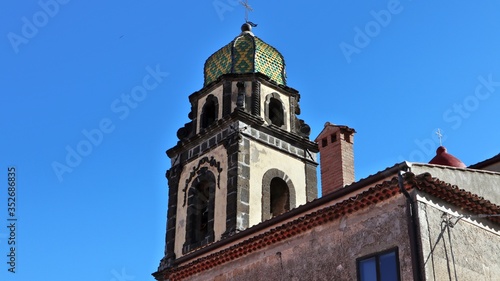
x=493, y=167
x=327, y=252
x=220, y=155
x=457, y=249
x=266, y=159
x=482, y=183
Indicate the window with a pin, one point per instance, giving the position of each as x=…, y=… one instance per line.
x=278, y=194
x=383, y=266
x=276, y=112
x=200, y=211
x=198, y=217
x=280, y=197
x=209, y=111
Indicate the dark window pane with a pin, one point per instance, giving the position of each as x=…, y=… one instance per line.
x=280, y=197
x=368, y=270
x=276, y=114
x=209, y=114
x=388, y=267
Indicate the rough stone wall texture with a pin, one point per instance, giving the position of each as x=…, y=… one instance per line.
x=327, y=252
x=311, y=182
x=463, y=252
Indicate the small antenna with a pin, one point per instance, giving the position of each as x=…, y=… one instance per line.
x=247, y=9
x=440, y=136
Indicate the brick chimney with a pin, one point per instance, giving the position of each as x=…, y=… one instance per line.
x=336, y=154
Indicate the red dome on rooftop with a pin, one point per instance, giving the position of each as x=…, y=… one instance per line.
x=444, y=158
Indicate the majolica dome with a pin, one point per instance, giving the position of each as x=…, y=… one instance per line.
x=246, y=54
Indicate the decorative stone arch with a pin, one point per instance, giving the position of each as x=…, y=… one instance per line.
x=275, y=110
x=277, y=190
x=210, y=112
x=200, y=211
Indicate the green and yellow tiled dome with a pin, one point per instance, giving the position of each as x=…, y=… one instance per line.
x=246, y=54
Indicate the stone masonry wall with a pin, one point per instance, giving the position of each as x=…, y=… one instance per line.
x=327, y=252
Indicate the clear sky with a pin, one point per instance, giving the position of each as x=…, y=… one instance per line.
x=91, y=196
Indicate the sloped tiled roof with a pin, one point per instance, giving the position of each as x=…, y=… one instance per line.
x=487, y=162
x=280, y=231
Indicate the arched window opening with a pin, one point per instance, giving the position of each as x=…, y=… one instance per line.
x=200, y=211
x=276, y=113
x=280, y=197
x=278, y=194
x=198, y=217
x=209, y=112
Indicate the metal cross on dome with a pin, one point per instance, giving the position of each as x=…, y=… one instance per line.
x=440, y=136
x=247, y=9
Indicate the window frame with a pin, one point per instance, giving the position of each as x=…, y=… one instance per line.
x=275, y=98
x=268, y=176
x=276, y=113
x=377, y=256
x=205, y=176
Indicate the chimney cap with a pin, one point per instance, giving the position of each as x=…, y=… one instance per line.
x=329, y=127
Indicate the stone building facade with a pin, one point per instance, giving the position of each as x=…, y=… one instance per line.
x=243, y=193
x=245, y=156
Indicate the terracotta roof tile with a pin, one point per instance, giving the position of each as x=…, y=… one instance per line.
x=380, y=192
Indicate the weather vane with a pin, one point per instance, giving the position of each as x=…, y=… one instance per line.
x=248, y=8
x=440, y=136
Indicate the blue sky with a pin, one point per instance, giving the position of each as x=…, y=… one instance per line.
x=90, y=157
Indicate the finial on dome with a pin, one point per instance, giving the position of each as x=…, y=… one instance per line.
x=444, y=158
x=246, y=27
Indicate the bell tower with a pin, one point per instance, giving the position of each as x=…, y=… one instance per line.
x=244, y=156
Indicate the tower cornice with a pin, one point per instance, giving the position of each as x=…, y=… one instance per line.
x=252, y=120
